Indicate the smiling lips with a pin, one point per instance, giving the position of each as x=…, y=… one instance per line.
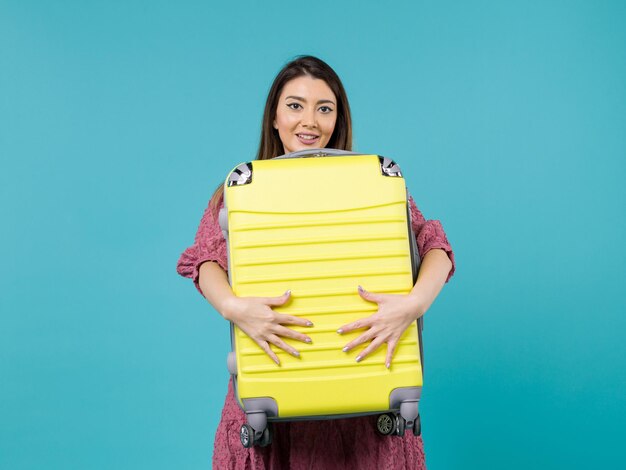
x=308, y=139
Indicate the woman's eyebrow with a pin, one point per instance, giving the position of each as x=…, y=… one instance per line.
x=299, y=98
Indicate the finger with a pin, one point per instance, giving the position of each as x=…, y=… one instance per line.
x=289, y=333
x=391, y=349
x=277, y=301
x=373, y=346
x=365, y=337
x=355, y=325
x=291, y=320
x=277, y=341
x=266, y=347
x=369, y=296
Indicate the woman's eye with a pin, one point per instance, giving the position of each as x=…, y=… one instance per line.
x=325, y=109
x=294, y=105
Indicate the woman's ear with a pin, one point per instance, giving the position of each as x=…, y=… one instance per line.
x=274, y=125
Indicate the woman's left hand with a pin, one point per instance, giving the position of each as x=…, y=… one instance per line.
x=395, y=314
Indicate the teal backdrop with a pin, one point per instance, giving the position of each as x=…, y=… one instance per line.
x=118, y=120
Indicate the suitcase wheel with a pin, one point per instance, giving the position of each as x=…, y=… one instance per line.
x=386, y=424
x=266, y=439
x=246, y=436
x=417, y=426
x=249, y=437
x=391, y=424
x=400, y=425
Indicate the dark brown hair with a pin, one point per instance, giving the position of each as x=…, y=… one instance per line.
x=270, y=145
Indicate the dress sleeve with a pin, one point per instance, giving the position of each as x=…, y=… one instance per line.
x=209, y=245
x=429, y=234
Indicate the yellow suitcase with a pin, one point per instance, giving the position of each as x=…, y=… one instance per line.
x=321, y=222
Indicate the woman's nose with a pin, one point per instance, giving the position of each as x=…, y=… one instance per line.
x=309, y=119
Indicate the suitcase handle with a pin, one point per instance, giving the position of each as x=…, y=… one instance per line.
x=320, y=152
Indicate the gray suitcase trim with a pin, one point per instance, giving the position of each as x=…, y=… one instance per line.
x=319, y=152
x=258, y=410
x=387, y=166
x=241, y=175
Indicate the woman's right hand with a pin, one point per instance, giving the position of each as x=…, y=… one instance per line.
x=255, y=317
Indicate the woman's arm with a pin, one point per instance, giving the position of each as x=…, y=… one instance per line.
x=433, y=273
x=213, y=282
x=397, y=312
x=253, y=315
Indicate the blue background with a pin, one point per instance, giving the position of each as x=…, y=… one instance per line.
x=118, y=119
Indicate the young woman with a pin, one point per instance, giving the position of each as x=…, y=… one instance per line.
x=307, y=107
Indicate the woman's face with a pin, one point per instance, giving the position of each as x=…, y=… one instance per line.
x=306, y=114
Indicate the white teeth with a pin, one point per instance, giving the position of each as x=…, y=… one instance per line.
x=307, y=137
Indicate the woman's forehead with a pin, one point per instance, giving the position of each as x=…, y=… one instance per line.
x=307, y=88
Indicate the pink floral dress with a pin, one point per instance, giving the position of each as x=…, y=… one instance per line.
x=350, y=443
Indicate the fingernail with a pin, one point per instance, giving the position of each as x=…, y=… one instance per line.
x=288, y=292
x=307, y=340
x=295, y=353
x=309, y=323
x=358, y=359
x=345, y=349
x=360, y=289
x=388, y=366
x=339, y=331
x=277, y=362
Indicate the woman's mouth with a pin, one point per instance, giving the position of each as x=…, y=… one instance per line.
x=308, y=139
